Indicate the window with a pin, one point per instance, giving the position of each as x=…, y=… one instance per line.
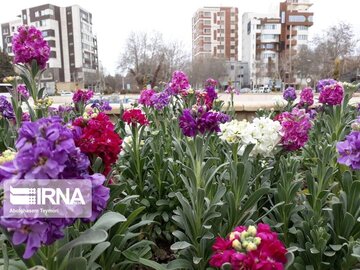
x=207, y=47
x=12, y=28
x=269, y=46
x=269, y=26
x=207, y=14
x=258, y=26
x=207, y=39
x=268, y=55
x=310, y=18
x=267, y=36
x=232, y=67
x=302, y=27
x=302, y=37
x=24, y=17
x=36, y=13
x=44, y=33
x=8, y=39
x=207, y=30
x=207, y=22
x=5, y=31
x=297, y=18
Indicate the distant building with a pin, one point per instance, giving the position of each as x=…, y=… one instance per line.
x=68, y=30
x=215, y=33
x=238, y=74
x=260, y=47
x=295, y=22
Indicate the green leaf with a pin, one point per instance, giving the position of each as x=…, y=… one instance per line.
x=179, y=264
x=107, y=220
x=180, y=245
x=89, y=237
x=151, y=264
x=78, y=263
x=96, y=252
x=41, y=93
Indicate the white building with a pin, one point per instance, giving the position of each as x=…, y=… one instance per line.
x=260, y=46
x=73, y=46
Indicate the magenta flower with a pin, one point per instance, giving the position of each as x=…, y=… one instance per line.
x=28, y=45
x=324, y=82
x=22, y=90
x=82, y=95
x=306, y=97
x=145, y=97
x=179, y=83
x=295, y=128
x=249, y=248
x=160, y=100
x=332, y=94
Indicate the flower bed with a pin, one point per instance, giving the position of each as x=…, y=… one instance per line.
x=178, y=183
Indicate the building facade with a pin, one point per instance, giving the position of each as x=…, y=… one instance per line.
x=261, y=47
x=296, y=19
x=215, y=33
x=73, y=46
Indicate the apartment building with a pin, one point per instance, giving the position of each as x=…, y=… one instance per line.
x=261, y=47
x=215, y=33
x=296, y=19
x=68, y=30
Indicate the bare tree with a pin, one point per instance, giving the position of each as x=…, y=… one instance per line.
x=206, y=67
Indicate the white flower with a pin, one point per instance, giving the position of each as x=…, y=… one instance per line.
x=263, y=132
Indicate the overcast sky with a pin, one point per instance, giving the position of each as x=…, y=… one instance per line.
x=114, y=20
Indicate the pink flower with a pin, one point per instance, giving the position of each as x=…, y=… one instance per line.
x=218, y=259
x=332, y=94
x=221, y=244
x=306, y=97
x=145, y=97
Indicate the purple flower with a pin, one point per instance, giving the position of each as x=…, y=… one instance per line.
x=6, y=110
x=28, y=45
x=289, y=94
x=145, y=97
x=25, y=117
x=210, y=83
x=322, y=83
x=332, y=94
x=201, y=121
x=349, y=150
x=179, y=83
x=22, y=90
x=101, y=105
x=188, y=123
x=306, y=97
x=82, y=95
x=32, y=233
x=160, y=100
x=46, y=150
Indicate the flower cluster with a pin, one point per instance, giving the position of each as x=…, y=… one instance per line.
x=179, y=83
x=28, y=45
x=61, y=110
x=232, y=90
x=295, y=128
x=6, y=110
x=101, y=105
x=289, y=94
x=160, y=100
x=145, y=97
x=22, y=90
x=82, y=95
x=306, y=97
x=97, y=137
x=134, y=117
x=332, y=94
x=198, y=120
x=248, y=248
x=263, y=132
x=44, y=103
x=349, y=149
x=322, y=83
x=46, y=150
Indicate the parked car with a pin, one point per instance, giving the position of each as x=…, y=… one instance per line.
x=245, y=90
x=65, y=93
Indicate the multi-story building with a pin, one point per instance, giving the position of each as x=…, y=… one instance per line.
x=73, y=46
x=215, y=33
x=295, y=22
x=260, y=47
